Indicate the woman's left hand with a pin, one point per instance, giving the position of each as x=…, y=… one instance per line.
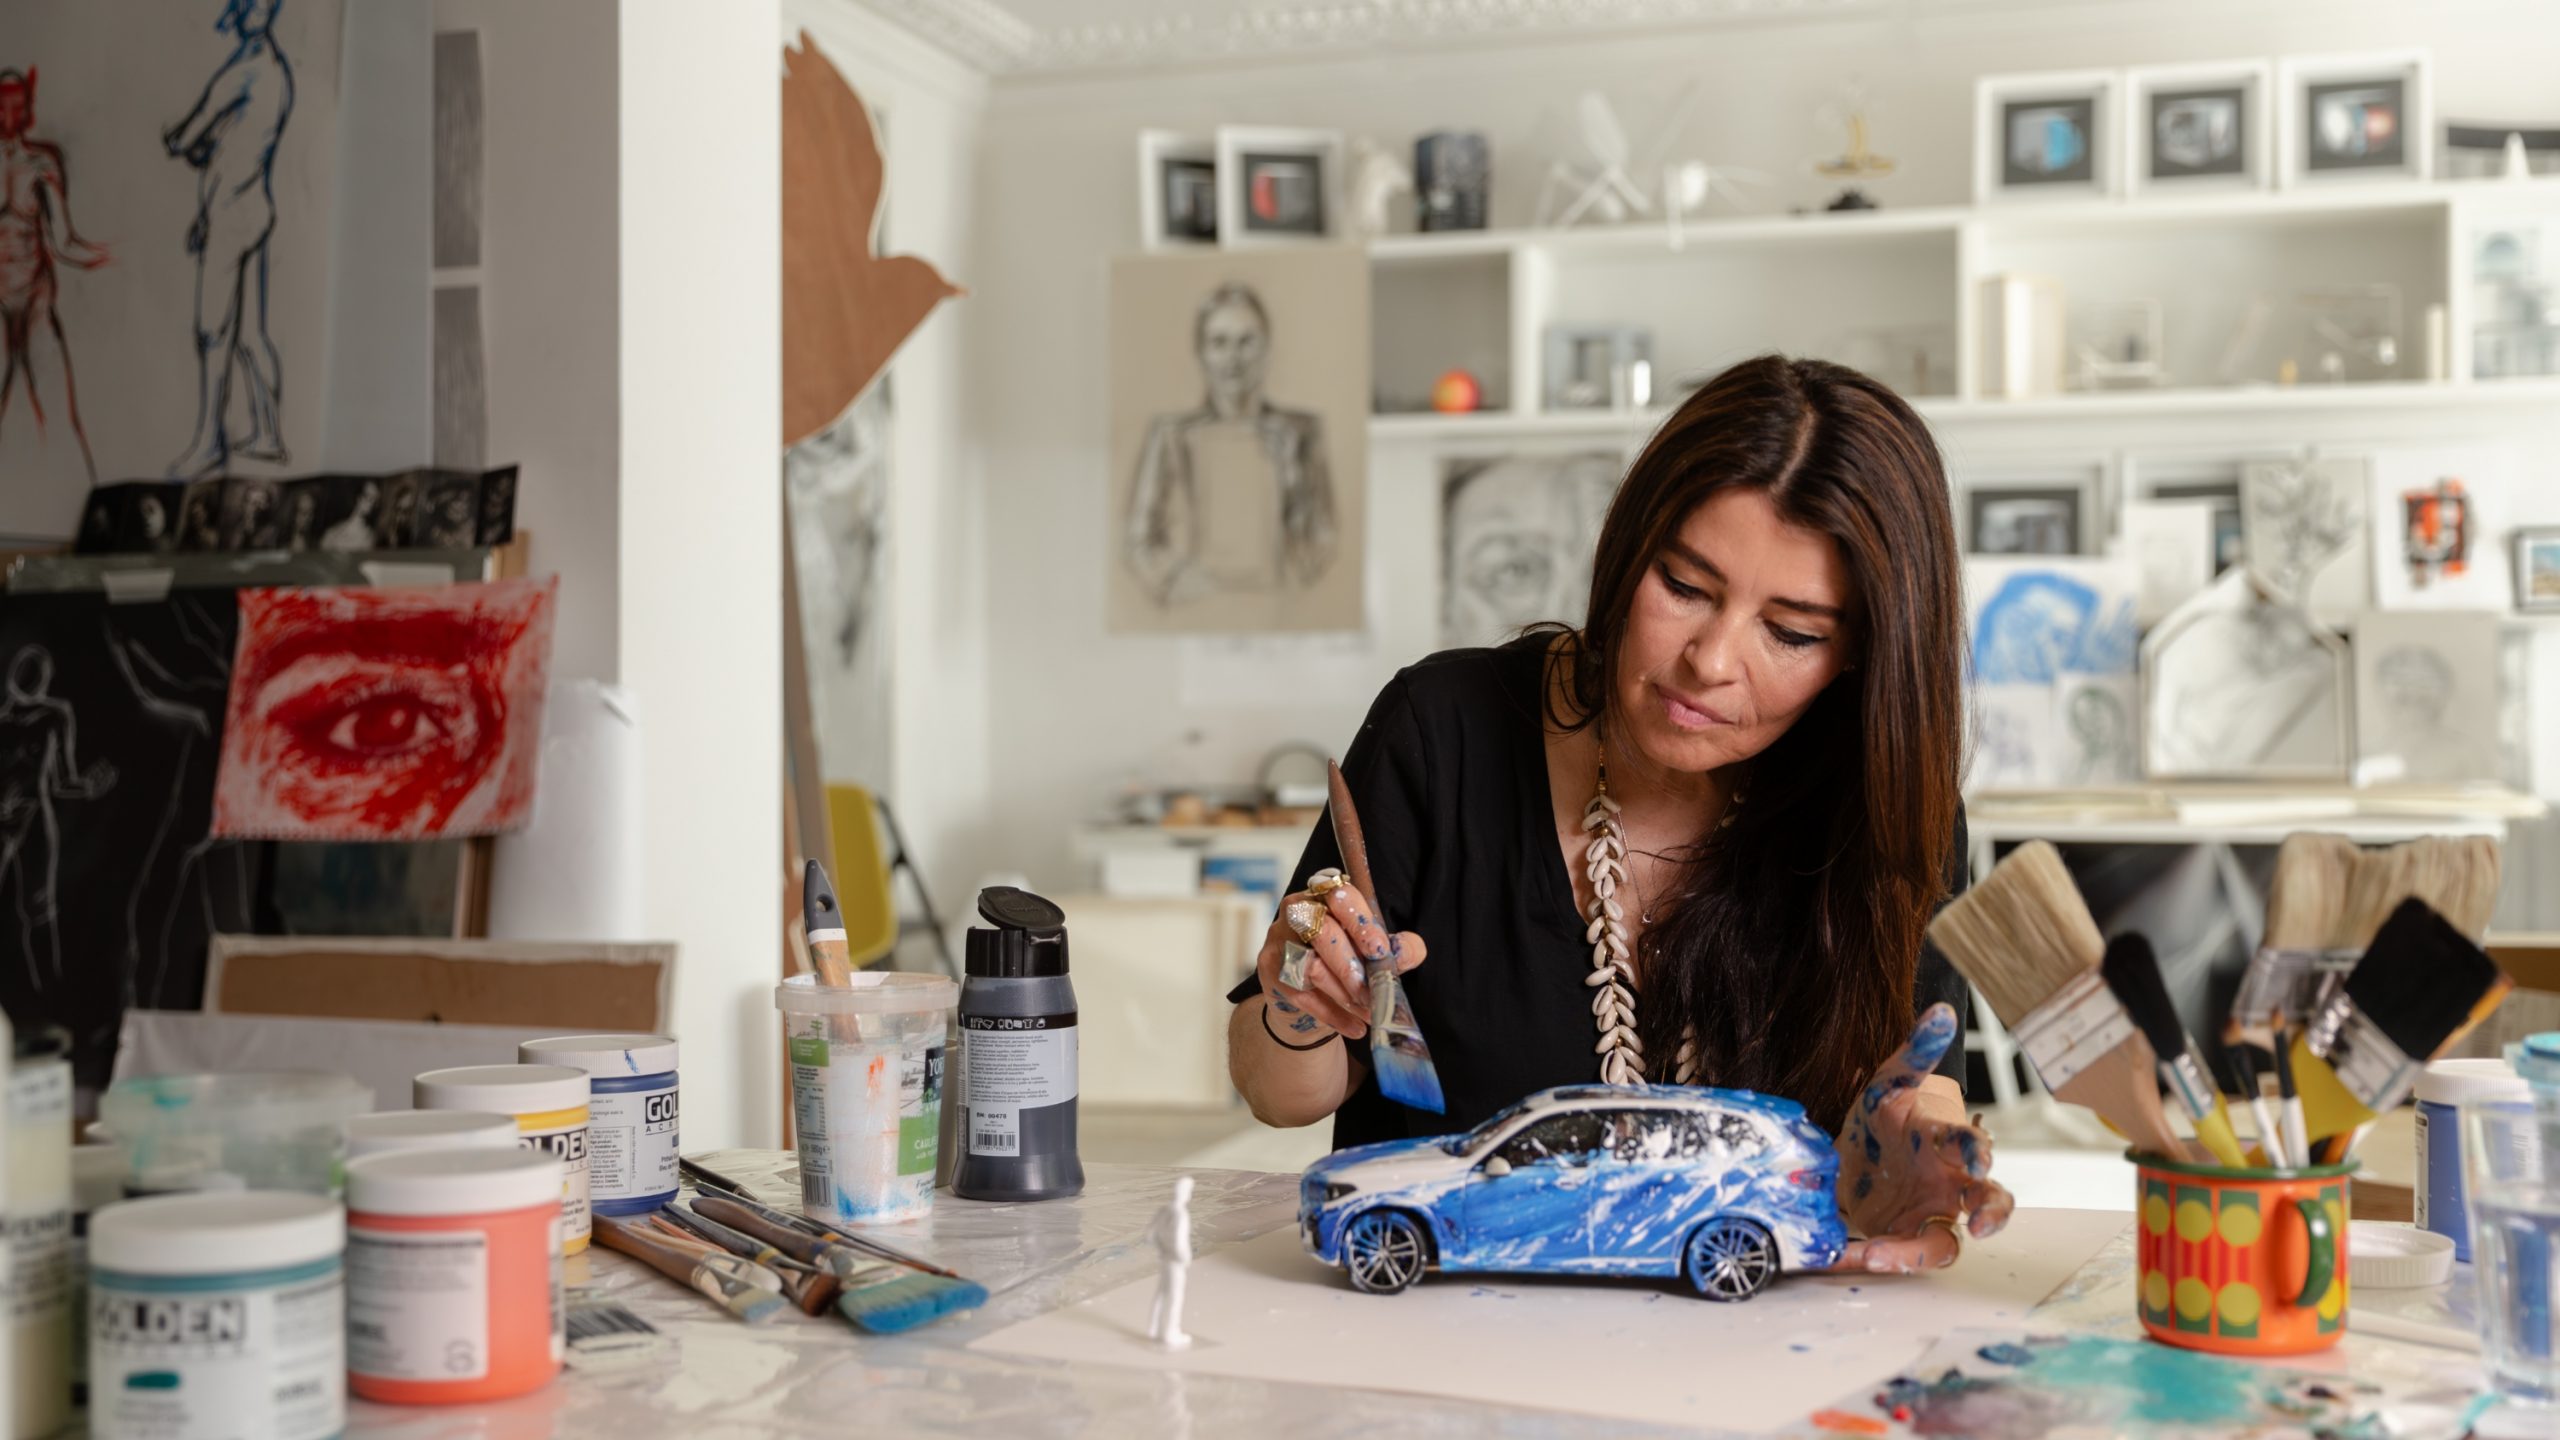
x=1912, y=1167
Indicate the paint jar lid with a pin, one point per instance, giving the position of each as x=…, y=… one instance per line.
x=232, y=1234
x=2455, y=1082
x=506, y=1089
x=2537, y=1059
x=607, y=1055
x=389, y=1130
x=452, y=1182
x=873, y=992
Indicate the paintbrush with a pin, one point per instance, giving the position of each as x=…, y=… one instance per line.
x=726, y=1285
x=882, y=1296
x=2024, y=938
x=2245, y=1071
x=2421, y=986
x=2289, y=1120
x=823, y=919
x=704, y=1176
x=2328, y=900
x=1397, y=1051
x=2133, y=973
x=810, y=1287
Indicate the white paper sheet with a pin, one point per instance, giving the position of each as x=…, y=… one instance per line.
x=1624, y=1349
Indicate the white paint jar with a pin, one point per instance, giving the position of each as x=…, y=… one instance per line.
x=549, y=1104
x=39, y=1217
x=218, y=1316
x=388, y=1130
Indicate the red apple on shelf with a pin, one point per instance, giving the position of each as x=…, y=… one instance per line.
x=1456, y=393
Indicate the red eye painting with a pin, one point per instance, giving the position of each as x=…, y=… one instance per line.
x=361, y=714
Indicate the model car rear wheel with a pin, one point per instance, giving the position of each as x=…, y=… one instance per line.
x=1732, y=1258
x=1383, y=1251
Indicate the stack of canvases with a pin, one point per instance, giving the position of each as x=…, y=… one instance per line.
x=2338, y=616
x=154, y=746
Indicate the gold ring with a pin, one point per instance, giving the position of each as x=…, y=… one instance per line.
x=1955, y=1232
x=1305, y=919
x=1326, y=881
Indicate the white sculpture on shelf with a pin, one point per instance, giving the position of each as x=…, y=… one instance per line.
x=1172, y=1236
x=1377, y=178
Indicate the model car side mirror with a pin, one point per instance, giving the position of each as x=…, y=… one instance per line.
x=1496, y=1168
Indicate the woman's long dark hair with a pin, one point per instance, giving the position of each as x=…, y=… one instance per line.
x=1790, y=949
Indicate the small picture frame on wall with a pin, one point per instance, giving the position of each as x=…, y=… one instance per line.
x=2344, y=118
x=2033, y=511
x=1177, y=190
x=1598, y=367
x=2046, y=137
x=2198, y=127
x=2538, y=569
x=1278, y=187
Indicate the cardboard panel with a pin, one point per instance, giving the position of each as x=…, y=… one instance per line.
x=455, y=982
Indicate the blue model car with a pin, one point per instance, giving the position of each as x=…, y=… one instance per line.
x=1725, y=1187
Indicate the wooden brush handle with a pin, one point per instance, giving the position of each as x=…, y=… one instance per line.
x=746, y=1222
x=2123, y=1088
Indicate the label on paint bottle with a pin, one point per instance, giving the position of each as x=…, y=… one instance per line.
x=631, y=1143
x=39, y=1239
x=567, y=1145
x=221, y=1364
x=1016, y=1063
x=418, y=1304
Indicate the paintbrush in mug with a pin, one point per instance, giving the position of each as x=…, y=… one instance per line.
x=1397, y=1052
x=2420, y=987
x=822, y=921
x=724, y=1285
x=2289, y=1121
x=2133, y=973
x=880, y=1295
x=2244, y=1071
x=2024, y=938
x=811, y=1287
x=707, y=1178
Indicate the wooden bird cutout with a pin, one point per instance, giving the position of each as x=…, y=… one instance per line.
x=845, y=311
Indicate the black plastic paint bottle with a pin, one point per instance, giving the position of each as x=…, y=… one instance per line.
x=1018, y=1041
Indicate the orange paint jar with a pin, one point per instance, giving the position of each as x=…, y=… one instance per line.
x=2242, y=1262
x=453, y=1275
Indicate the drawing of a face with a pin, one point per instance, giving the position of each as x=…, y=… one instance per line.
x=155, y=517
x=17, y=103
x=1735, y=629
x=2416, y=687
x=1235, y=349
x=247, y=18
x=366, y=499
x=305, y=507
x=384, y=714
x=30, y=675
x=1520, y=533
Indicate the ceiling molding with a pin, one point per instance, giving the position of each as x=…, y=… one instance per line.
x=995, y=39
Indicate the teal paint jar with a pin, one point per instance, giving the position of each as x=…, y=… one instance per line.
x=214, y=1317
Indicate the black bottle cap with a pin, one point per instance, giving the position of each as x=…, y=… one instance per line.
x=1029, y=938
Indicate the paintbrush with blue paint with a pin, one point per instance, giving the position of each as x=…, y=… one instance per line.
x=1396, y=1048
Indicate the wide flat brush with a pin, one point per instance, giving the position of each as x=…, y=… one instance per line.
x=2024, y=938
x=709, y=1179
x=881, y=1296
x=1397, y=1052
x=2417, y=990
x=725, y=1286
x=2133, y=973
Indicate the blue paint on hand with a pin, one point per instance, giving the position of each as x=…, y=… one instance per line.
x=2001, y=1352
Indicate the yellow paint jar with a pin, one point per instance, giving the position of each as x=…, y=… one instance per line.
x=549, y=1106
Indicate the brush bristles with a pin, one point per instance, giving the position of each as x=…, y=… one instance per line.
x=2133, y=973
x=908, y=1301
x=2022, y=933
x=2314, y=874
x=2423, y=983
x=2329, y=895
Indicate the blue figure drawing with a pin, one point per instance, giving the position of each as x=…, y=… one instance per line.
x=230, y=140
x=2042, y=624
x=1725, y=1188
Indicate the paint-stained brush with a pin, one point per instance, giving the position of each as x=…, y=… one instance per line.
x=709, y=1179
x=2417, y=990
x=2024, y=938
x=1396, y=1048
x=882, y=1296
x=726, y=1285
x=2133, y=973
x=811, y=1287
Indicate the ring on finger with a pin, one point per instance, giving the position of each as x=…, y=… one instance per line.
x=1305, y=919
x=1955, y=1232
x=1325, y=882
x=1293, y=964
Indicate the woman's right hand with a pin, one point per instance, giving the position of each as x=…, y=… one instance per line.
x=1336, y=995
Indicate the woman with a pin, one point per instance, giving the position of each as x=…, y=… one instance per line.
x=1767, y=692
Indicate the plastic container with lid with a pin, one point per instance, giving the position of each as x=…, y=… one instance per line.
x=866, y=1091
x=388, y=1130
x=97, y=1181
x=631, y=1115
x=255, y=1130
x=38, y=1273
x=453, y=1274
x=2442, y=1091
x=1019, y=1060
x=213, y=1316
x=549, y=1104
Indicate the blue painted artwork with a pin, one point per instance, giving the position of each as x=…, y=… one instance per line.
x=1723, y=1188
x=2053, y=649
x=229, y=139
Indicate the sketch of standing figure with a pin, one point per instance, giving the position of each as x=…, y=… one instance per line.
x=35, y=236
x=230, y=139
x=39, y=769
x=1235, y=496
x=1172, y=1236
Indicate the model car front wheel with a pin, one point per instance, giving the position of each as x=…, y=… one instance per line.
x=1732, y=1258
x=1383, y=1251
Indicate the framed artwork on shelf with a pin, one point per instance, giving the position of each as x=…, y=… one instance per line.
x=2044, y=510
x=2437, y=512
x=2427, y=697
x=2198, y=127
x=2351, y=117
x=2537, y=561
x=1598, y=367
x=2046, y=137
x=1278, y=186
x=2240, y=684
x=1177, y=190
x=2210, y=477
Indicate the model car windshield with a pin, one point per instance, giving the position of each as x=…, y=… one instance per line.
x=1481, y=1136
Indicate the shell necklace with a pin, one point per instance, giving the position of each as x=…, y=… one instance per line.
x=1612, y=979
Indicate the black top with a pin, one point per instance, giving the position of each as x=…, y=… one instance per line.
x=1450, y=774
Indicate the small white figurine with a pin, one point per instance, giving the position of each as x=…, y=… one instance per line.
x=1376, y=179
x=1172, y=1237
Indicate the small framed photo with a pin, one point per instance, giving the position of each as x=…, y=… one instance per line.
x=2198, y=127
x=2046, y=137
x=2034, y=510
x=2538, y=568
x=1598, y=367
x=1278, y=186
x=2354, y=117
x=1177, y=190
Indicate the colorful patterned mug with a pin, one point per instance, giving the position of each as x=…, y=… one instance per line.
x=2241, y=1262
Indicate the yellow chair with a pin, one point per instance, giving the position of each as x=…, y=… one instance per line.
x=862, y=875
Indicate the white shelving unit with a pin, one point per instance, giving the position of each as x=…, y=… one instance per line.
x=1719, y=289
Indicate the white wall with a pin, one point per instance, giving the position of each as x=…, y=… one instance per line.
x=700, y=536
x=1077, y=712
x=378, y=371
